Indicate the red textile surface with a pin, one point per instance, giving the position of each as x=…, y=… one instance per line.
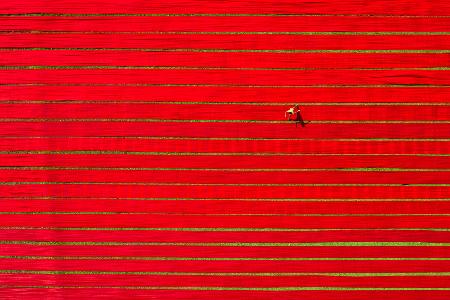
x=144, y=150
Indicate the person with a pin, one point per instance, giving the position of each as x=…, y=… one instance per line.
x=291, y=111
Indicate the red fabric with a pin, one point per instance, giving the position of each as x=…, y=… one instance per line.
x=144, y=150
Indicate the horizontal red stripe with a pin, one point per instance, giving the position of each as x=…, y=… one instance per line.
x=217, y=236
x=214, y=192
x=33, y=293
x=231, y=207
x=224, y=161
x=229, y=146
x=229, y=281
x=232, y=77
x=226, y=177
x=235, y=60
x=176, y=251
x=218, y=24
x=247, y=130
x=212, y=41
x=425, y=8
x=30, y=293
x=225, y=94
x=182, y=221
x=242, y=267
x=222, y=112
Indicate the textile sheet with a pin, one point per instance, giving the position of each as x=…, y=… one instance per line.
x=145, y=152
